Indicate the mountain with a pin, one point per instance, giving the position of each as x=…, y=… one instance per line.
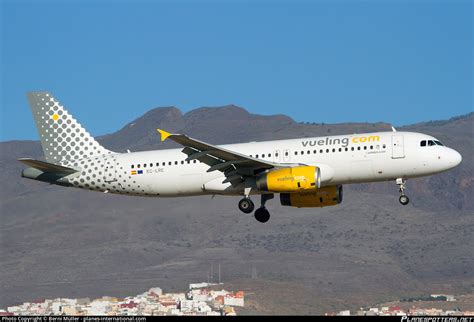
x=68, y=242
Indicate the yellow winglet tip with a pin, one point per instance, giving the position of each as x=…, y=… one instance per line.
x=164, y=134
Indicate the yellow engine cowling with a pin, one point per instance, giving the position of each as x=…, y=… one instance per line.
x=294, y=179
x=323, y=197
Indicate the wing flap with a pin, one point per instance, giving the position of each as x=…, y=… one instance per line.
x=222, y=166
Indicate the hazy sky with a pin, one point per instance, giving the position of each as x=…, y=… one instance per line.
x=109, y=61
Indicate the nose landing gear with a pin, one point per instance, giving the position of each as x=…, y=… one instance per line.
x=404, y=200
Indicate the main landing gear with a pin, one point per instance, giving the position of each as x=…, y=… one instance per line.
x=261, y=214
x=404, y=200
x=246, y=205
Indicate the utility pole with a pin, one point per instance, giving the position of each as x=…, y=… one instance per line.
x=254, y=272
x=212, y=273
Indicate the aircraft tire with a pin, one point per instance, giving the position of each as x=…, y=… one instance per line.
x=246, y=205
x=262, y=214
x=404, y=200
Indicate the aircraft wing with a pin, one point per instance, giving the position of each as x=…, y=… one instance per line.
x=234, y=165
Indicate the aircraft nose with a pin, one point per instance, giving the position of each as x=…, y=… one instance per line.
x=455, y=158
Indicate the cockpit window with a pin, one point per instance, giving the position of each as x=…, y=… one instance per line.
x=430, y=143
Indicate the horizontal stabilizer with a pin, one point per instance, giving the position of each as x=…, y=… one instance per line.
x=47, y=167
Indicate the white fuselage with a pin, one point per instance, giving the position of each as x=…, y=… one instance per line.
x=342, y=159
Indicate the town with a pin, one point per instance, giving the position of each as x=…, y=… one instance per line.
x=199, y=300
x=412, y=310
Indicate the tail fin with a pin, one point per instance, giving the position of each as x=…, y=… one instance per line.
x=63, y=139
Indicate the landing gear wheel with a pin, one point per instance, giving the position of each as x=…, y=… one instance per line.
x=402, y=183
x=262, y=214
x=246, y=205
x=404, y=200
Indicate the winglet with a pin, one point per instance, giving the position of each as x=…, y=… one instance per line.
x=164, y=134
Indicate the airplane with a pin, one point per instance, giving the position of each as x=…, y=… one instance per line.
x=305, y=172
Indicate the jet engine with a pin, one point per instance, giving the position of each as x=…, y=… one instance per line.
x=294, y=179
x=323, y=197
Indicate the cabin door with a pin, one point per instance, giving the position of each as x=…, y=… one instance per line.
x=110, y=169
x=398, y=150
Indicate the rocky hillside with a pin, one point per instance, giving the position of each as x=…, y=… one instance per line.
x=66, y=242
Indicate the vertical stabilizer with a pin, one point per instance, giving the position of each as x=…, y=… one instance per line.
x=63, y=139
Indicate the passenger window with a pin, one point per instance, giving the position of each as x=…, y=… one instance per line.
x=256, y=156
x=327, y=150
x=269, y=155
x=164, y=163
x=151, y=165
x=138, y=166
x=286, y=154
x=315, y=151
x=358, y=148
x=144, y=165
x=352, y=149
x=365, y=147
x=347, y=149
x=371, y=147
x=157, y=164
x=276, y=155
x=194, y=161
x=176, y=163
x=169, y=163
x=333, y=150
x=308, y=152
x=302, y=152
x=321, y=151
x=384, y=146
x=188, y=161
x=296, y=152
x=133, y=166
x=340, y=150
x=423, y=143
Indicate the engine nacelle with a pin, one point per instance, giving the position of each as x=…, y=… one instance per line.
x=301, y=178
x=323, y=197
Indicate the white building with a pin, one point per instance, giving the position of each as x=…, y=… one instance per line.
x=56, y=308
x=158, y=291
x=344, y=313
x=234, y=301
x=99, y=308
